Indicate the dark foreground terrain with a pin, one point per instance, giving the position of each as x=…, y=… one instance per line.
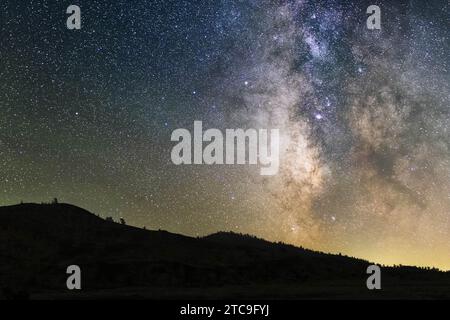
x=38, y=242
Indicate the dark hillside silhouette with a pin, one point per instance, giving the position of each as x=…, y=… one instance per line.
x=38, y=242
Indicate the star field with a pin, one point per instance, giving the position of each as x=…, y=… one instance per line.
x=87, y=115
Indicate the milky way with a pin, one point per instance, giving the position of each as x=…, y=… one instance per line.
x=364, y=116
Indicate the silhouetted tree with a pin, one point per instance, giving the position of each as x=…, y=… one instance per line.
x=109, y=219
x=122, y=221
x=55, y=201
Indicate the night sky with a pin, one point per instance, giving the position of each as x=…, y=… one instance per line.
x=364, y=118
